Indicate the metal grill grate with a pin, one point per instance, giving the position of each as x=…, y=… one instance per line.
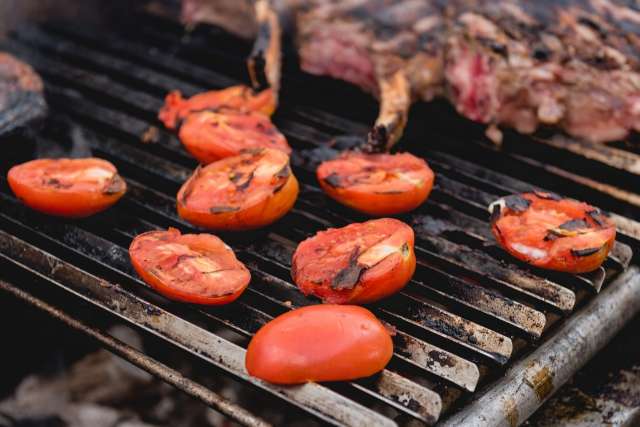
x=467, y=313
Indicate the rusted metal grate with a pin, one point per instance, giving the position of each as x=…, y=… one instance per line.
x=469, y=311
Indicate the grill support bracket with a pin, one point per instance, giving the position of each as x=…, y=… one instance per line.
x=533, y=379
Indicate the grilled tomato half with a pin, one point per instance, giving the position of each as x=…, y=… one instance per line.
x=319, y=343
x=73, y=188
x=377, y=184
x=243, y=192
x=211, y=136
x=193, y=268
x=548, y=231
x=238, y=98
x=356, y=264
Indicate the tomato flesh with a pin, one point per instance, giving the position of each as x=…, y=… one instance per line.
x=211, y=136
x=550, y=232
x=242, y=192
x=73, y=188
x=319, y=343
x=356, y=264
x=238, y=98
x=193, y=268
x=377, y=184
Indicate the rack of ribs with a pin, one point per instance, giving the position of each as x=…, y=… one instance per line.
x=570, y=64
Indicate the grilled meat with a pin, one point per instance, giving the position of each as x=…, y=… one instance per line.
x=21, y=98
x=572, y=64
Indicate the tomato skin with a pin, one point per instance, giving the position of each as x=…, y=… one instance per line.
x=377, y=184
x=319, y=343
x=57, y=186
x=553, y=233
x=264, y=201
x=211, y=136
x=340, y=266
x=145, y=246
x=239, y=98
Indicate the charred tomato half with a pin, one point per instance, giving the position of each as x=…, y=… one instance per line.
x=73, y=188
x=239, y=98
x=377, y=184
x=193, y=268
x=356, y=264
x=548, y=231
x=243, y=192
x=211, y=136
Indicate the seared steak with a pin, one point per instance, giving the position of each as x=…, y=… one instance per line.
x=21, y=98
x=572, y=64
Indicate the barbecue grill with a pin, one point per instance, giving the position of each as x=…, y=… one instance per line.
x=480, y=338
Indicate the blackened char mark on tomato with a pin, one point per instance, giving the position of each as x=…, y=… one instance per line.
x=223, y=209
x=55, y=183
x=595, y=215
x=547, y=196
x=333, y=179
x=117, y=185
x=283, y=177
x=551, y=236
x=584, y=252
x=189, y=189
x=348, y=277
x=241, y=186
x=404, y=249
x=495, y=213
x=517, y=203
x=574, y=224
x=567, y=229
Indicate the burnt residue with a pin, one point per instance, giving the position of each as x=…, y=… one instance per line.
x=574, y=224
x=333, y=180
x=348, y=277
x=441, y=358
x=584, y=252
x=547, y=196
x=567, y=229
x=511, y=412
x=57, y=184
x=517, y=203
x=541, y=381
x=284, y=173
x=116, y=185
x=189, y=186
x=495, y=213
x=595, y=215
x=283, y=178
x=241, y=186
x=152, y=310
